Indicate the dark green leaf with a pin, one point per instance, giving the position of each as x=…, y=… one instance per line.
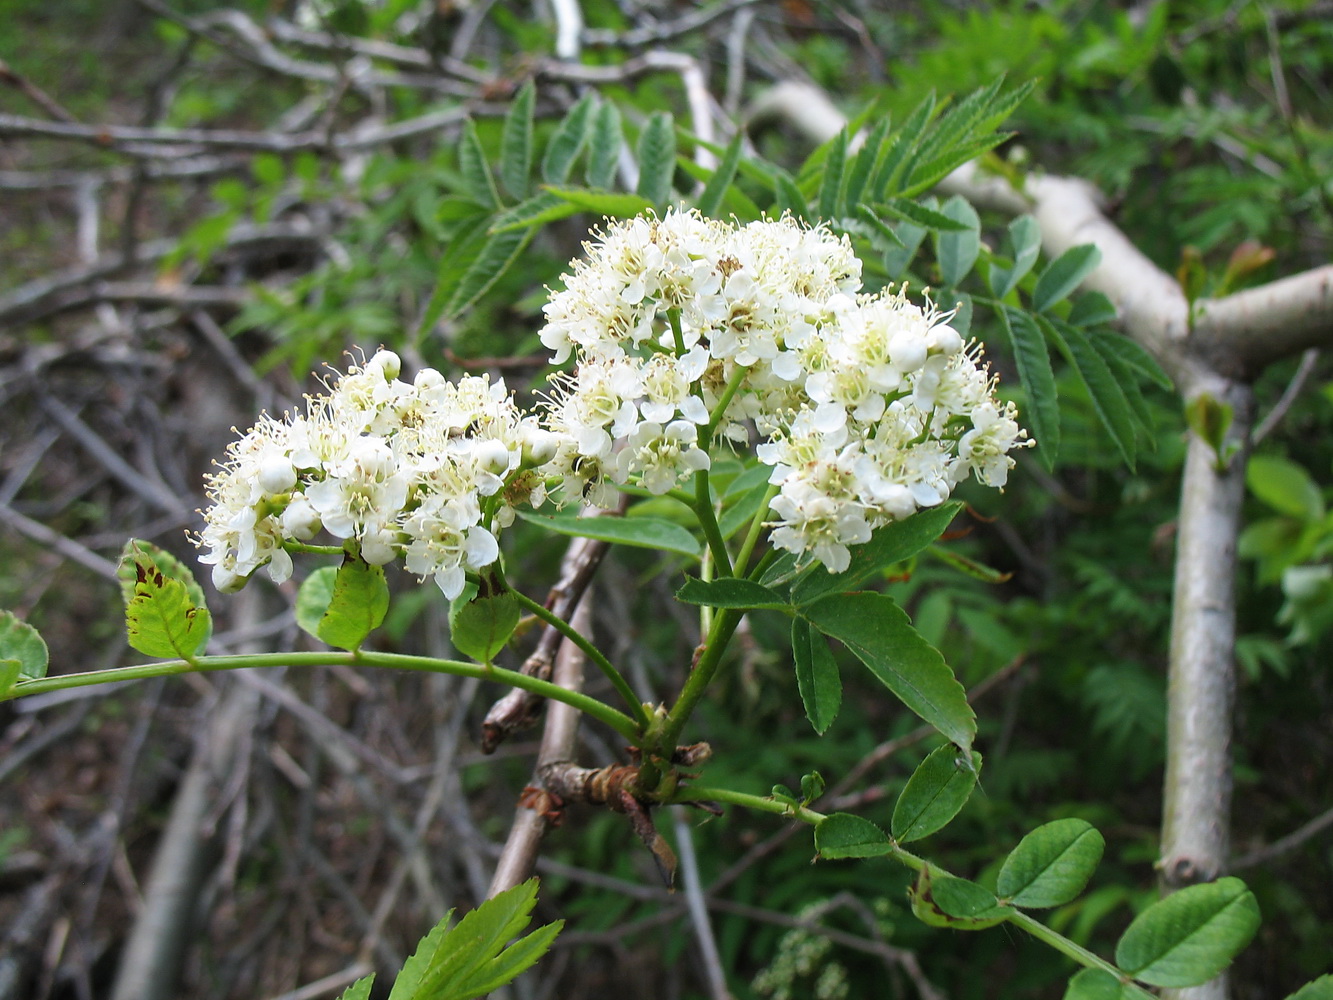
x=957, y=250
x=1022, y=245
x=711, y=198
x=568, y=140
x=1095, y=984
x=1063, y=275
x=913, y=211
x=1092, y=309
x=830, y=187
x=842, y=835
x=161, y=620
x=516, y=143
x=604, y=146
x=1137, y=358
x=644, y=532
x=479, y=627
x=788, y=197
x=894, y=542
x=944, y=901
x=1190, y=936
x=23, y=646
x=497, y=256
x=729, y=592
x=878, y=632
x=463, y=250
x=657, y=159
x=1108, y=398
x=887, y=178
x=618, y=206
x=357, y=606
x=1042, y=414
x=957, y=124
x=476, y=172
x=1319, y=989
x=935, y=793
x=925, y=175
x=1051, y=865
x=816, y=675
x=1126, y=377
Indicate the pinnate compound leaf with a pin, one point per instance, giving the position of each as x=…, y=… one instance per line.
x=359, y=990
x=479, y=627
x=1063, y=275
x=842, y=835
x=470, y=959
x=935, y=793
x=1095, y=984
x=1135, y=356
x=357, y=604
x=1108, y=397
x=878, y=632
x=22, y=646
x=657, y=159
x=956, y=250
x=894, y=542
x=642, y=532
x=568, y=140
x=1190, y=936
x=945, y=901
x=541, y=208
x=730, y=592
x=1042, y=413
x=1319, y=989
x=816, y=675
x=1051, y=865
x=161, y=620
x=516, y=143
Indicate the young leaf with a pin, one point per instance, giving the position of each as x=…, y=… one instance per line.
x=935, y=793
x=604, y=146
x=1051, y=865
x=711, y=198
x=1042, y=413
x=22, y=646
x=1190, y=936
x=480, y=626
x=161, y=619
x=1095, y=984
x=1108, y=398
x=729, y=592
x=357, y=606
x=644, y=532
x=359, y=990
x=476, y=172
x=516, y=143
x=874, y=628
x=830, y=187
x=925, y=175
x=842, y=835
x=1063, y=274
x=896, y=541
x=956, y=250
x=816, y=676
x=945, y=901
x=469, y=240
x=657, y=159
x=1022, y=244
x=568, y=140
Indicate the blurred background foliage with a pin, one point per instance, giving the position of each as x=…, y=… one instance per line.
x=1205, y=123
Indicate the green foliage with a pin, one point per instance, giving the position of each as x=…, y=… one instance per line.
x=344, y=605
x=479, y=626
x=1190, y=936
x=1051, y=865
x=817, y=677
x=935, y=794
x=23, y=652
x=640, y=532
x=165, y=615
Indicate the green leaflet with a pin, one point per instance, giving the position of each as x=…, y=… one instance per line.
x=23, y=652
x=730, y=592
x=1022, y=245
x=657, y=159
x=956, y=250
x=1063, y=275
x=817, y=676
x=935, y=793
x=568, y=140
x=1190, y=936
x=604, y=146
x=830, y=188
x=161, y=619
x=877, y=631
x=516, y=143
x=479, y=626
x=478, y=183
x=1104, y=389
x=343, y=605
x=1095, y=984
x=643, y=532
x=1041, y=416
x=359, y=990
x=842, y=835
x=1051, y=865
x=945, y=901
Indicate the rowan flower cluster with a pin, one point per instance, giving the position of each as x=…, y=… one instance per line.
x=429, y=470
x=688, y=335
x=867, y=407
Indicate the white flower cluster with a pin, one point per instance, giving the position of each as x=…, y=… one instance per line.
x=867, y=407
x=430, y=470
x=685, y=332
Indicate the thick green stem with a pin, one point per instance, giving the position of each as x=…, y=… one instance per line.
x=703, y=510
x=618, y=721
x=592, y=652
x=715, y=646
x=756, y=528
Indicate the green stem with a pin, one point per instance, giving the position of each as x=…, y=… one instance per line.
x=1068, y=948
x=618, y=721
x=673, y=317
x=756, y=527
x=703, y=793
x=765, y=561
x=715, y=647
x=728, y=394
x=703, y=510
x=592, y=652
